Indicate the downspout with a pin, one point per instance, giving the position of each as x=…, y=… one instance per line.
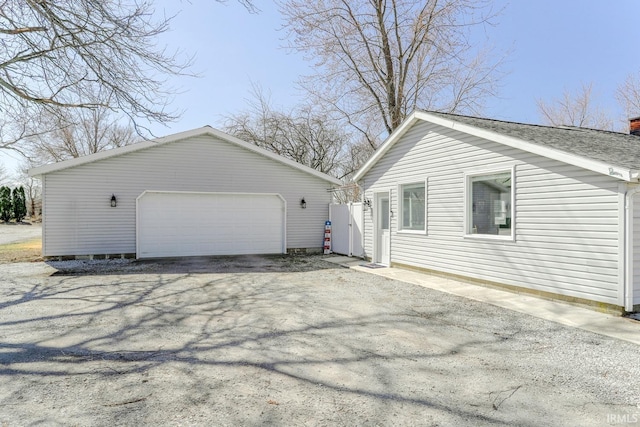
x=628, y=256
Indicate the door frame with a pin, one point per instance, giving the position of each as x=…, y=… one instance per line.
x=377, y=256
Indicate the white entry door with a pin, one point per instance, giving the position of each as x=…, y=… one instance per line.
x=173, y=224
x=383, y=229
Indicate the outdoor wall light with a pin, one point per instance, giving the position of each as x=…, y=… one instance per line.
x=114, y=202
x=367, y=203
x=303, y=203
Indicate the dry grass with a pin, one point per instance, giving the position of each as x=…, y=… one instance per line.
x=28, y=251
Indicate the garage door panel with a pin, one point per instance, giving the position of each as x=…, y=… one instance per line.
x=191, y=224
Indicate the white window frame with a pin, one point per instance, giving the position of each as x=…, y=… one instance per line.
x=400, y=206
x=468, y=204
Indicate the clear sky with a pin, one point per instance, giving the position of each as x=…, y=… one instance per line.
x=554, y=44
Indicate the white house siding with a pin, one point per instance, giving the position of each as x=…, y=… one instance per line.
x=566, y=217
x=78, y=219
x=636, y=249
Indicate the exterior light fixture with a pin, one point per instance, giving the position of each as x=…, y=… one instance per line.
x=114, y=202
x=367, y=203
x=303, y=203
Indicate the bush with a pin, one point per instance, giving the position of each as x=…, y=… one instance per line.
x=19, y=204
x=6, y=211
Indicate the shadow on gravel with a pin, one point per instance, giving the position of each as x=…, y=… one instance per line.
x=193, y=265
x=262, y=347
x=109, y=341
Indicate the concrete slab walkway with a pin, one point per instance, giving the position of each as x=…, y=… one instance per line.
x=556, y=311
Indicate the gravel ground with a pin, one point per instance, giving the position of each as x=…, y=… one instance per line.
x=288, y=341
x=17, y=232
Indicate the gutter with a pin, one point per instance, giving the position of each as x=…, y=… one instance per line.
x=628, y=256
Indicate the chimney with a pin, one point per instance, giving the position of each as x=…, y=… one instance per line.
x=634, y=126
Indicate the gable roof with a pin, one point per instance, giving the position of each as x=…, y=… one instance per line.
x=203, y=131
x=610, y=153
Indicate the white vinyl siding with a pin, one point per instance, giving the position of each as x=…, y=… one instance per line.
x=636, y=249
x=566, y=233
x=78, y=218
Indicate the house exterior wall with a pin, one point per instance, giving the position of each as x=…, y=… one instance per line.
x=566, y=218
x=78, y=219
x=636, y=249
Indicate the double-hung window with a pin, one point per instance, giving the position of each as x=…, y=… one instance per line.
x=413, y=207
x=489, y=200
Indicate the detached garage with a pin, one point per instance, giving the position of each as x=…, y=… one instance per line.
x=200, y=192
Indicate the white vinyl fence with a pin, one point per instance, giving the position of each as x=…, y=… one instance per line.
x=346, y=229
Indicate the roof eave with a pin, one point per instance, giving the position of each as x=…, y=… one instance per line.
x=206, y=130
x=563, y=156
x=389, y=142
x=66, y=164
x=273, y=156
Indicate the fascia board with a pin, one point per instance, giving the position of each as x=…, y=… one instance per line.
x=551, y=153
x=53, y=167
x=65, y=164
x=206, y=130
x=382, y=150
x=273, y=156
x=562, y=156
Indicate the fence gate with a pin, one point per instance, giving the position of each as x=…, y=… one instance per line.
x=346, y=228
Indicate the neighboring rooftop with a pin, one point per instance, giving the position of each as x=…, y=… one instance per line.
x=616, y=148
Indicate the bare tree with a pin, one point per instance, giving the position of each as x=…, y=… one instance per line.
x=628, y=95
x=378, y=60
x=78, y=133
x=305, y=135
x=32, y=187
x=575, y=109
x=4, y=175
x=248, y=4
x=69, y=53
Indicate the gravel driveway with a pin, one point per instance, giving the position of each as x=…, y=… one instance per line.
x=288, y=341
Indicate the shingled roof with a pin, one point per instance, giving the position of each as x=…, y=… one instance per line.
x=620, y=149
x=610, y=153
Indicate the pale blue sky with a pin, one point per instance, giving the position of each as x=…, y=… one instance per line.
x=555, y=44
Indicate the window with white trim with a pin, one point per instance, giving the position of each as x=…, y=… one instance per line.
x=412, y=206
x=489, y=204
